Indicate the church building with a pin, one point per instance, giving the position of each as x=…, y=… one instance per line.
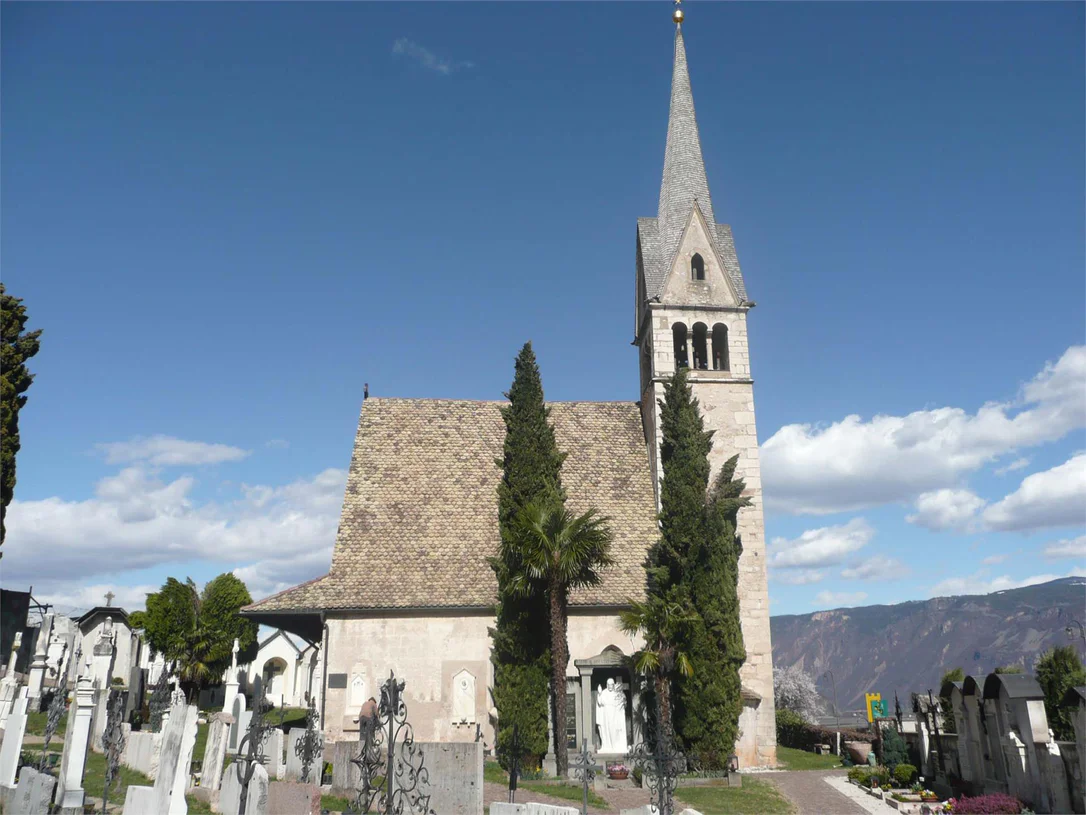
x=410, y=589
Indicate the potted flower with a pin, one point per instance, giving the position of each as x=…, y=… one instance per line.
x=618, y=772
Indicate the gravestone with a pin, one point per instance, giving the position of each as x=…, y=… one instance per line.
x=230, y=792
x=463, y=702
x=456, y=776
x=139, y=801
x=237, y=729
x=293, y=769
x=345, y=775
x=9, y=685
x=218, y=731
x=295, y=798
x=174, y=759
x=13, y=740
x=256, y=802
x=70, y=793
x=273, y=752
x=34, y=793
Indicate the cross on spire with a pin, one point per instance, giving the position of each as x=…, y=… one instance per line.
x=109, y=598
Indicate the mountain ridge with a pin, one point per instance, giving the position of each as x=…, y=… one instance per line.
x=905, y=647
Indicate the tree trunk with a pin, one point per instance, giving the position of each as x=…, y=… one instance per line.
x=663, y=710
x=559, y=660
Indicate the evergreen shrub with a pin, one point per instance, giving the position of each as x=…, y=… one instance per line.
x=904, y=774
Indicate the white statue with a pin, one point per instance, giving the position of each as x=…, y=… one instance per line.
x=234, y=657
x=611, y=718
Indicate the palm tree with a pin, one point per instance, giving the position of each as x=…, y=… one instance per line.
x=660, y=621
x=558, y=553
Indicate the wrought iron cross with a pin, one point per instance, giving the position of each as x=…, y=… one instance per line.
x=253, y=744
x=113, y=740
x=387, y=738
x=586, y=768
x=514, y=763
x=308, y=746
x=660, y=768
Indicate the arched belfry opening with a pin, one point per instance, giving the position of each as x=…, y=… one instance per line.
x=697, y=267
x=720, y=347
x=678, y=339
x=701, y=357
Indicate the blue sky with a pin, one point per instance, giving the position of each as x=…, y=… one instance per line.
x=227, y=217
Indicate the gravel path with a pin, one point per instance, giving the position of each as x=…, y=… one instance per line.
x=871, y=805
x=811, y=792
x=619, y=799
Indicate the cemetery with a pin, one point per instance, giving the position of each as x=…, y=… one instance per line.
x=530, y=608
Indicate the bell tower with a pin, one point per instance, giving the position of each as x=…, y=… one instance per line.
x=691, y=312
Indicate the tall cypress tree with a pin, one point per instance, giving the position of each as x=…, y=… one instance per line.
x=17, y=345
x=531, y=471
x=696, y=564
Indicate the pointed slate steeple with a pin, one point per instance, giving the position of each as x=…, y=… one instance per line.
x=684, y=179
x=684, y=184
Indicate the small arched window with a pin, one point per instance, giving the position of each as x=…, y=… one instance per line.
x=678, y=338
x=697, y=268
x=701, y=358
x=720, y=347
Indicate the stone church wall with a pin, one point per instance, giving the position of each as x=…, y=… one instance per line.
x=432, y=652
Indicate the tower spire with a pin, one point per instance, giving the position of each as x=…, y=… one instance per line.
x=684, y=169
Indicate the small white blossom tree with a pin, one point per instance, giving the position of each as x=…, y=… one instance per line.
x=794, y=689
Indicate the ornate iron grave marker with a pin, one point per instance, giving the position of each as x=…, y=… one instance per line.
x=252, y=744
x=584, y=768
x=113, y=740
x=391, y=764
x=159, y=702
x=57, y=706
x=516, y=750
x=308, y=747
x=660, y=765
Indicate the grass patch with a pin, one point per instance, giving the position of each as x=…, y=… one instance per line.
x=493, y=773
x=197, y=807
x=35, y=723
x=334, y=803
x=94, y=776
x=292, y=717
x=567, y=792
x=755, y=797
x=201, y=742
x=793, y=759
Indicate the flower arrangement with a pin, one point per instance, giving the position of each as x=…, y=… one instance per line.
x=618, y=772
x=996, y=804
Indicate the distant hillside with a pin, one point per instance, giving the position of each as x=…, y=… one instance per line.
x=906, y=647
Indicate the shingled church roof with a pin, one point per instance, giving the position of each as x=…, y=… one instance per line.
x=420, y=512
x=684, y=182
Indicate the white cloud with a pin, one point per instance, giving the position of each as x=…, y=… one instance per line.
x=945, y=509
x=72, y=597
x=992, y=560
x=1017, y=464
x=979, y=583
x=167, y=451
x=839, y=599
x=1066, y=548
x=135, y=521
x=797, y=577
x=879, y=567
x=852, y=463
x=1052, y=498
x=825, y=546
x=427, y=58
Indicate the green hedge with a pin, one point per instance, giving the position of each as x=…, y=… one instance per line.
x=794, y=731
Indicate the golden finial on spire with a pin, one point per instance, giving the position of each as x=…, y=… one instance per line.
x=677, y=15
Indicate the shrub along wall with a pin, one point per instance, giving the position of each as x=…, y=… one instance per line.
x=793, y=731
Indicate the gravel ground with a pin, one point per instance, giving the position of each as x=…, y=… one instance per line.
x=814, y=792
